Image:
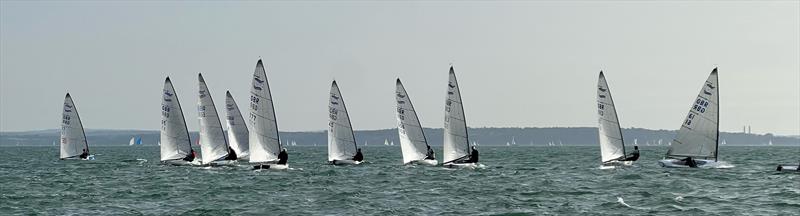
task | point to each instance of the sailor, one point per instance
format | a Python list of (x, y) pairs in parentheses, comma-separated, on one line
[(359, 156), (85, 154), (473, 156), (283, 156), (634, 155), (191, 156), (690, 162), (430, 155), (231, 154)]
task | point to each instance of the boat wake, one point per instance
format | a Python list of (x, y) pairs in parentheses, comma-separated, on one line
[(621, 201)]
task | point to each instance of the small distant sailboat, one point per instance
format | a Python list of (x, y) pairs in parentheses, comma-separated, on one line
[(215, 148), (135, 141), (73, 137), (698, 137), (176, 146), (456, 139), (612, 145), (265, 145), (238, 134), (413, 143), (342, 147), (386, 142)]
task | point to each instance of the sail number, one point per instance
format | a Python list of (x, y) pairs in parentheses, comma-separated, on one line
[(700, 105), (600, 108)]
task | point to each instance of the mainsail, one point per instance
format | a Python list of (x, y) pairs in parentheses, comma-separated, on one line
[(73, 138), (175, 142), (612, 146), (264, 138), (237, 129), (699, 134), (412, 139), (341, 139), (456, 139), (213, 144), (135, 141)]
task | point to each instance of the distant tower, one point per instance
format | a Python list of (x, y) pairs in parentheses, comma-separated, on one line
[(748, 130), (744, 129)]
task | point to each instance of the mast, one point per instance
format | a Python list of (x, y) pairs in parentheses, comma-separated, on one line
[(716, 151)]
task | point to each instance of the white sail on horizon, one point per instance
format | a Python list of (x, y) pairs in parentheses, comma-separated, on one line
[(413, 144), (238, 134), (341, 139), (73, 137), (456, 139), (214, 145), (699, 134), (612, 146), (174, 138), (264, 137)]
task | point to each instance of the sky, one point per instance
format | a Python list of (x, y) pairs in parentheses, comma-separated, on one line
[(519, 63)]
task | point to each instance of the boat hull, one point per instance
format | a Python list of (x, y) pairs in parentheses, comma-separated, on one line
[(271, 166), (675, 163), (222, 163), (180, 162), (788, 168), (345, 162), (461, 165), (426, 162)]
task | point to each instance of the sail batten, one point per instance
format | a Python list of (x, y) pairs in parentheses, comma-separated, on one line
[(73, 137), (214, 144), (413, 143), (174, 138), (264, 137), (456, 137), (341, 138), (698, 136)]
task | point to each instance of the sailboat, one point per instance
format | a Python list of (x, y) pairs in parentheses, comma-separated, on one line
[(73, 137), (135, 141), (612, 145), (176, 146), (413, 144), (342, 147), (698, 137), (214, 146), (265, 145), (238, 135), (456, 139)]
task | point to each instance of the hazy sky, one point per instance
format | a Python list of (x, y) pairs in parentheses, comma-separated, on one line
[(521, 64)]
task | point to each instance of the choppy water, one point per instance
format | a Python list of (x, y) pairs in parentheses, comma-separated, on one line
[(517, 180)]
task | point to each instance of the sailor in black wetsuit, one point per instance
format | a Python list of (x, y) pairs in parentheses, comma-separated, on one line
[(283, 157), (85, 154), (190, 157), (634, 155), (473, 156), (430, 155), (690, 162), (358, 157), (231, 154)]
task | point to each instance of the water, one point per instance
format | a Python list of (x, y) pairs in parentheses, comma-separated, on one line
[(517, 180)]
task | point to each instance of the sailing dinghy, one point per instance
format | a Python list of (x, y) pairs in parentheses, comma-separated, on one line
[(176, 146), (456, 140), (238, 135), (214, 145), (264, 140), (413, 144), (135, 141), (612, 146), (73, 137), (342, 147), (698, 137)]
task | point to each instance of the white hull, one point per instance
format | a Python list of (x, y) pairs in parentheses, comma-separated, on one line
[(618, 163), (676, 163), (270, 166), (222, 163), (461, 165), (345, 162), (90, 157), (788, 168), (424, 162), (180, 162)]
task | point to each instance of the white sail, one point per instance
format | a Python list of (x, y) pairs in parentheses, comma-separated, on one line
[(341, 139), (213, 143), (456, 139), (699, 134), (412, 139), (133, 141), (612, 146), (264, 138), (175, 142), (73, 138), (238, 136)]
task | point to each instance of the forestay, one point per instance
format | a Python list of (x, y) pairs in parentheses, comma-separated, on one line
[(237, 129), (264, 138), (699, 134), (175, 142), (213, 143), (73, 138), (412, 139), (341, 139), (612, 146), (456, 139)]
